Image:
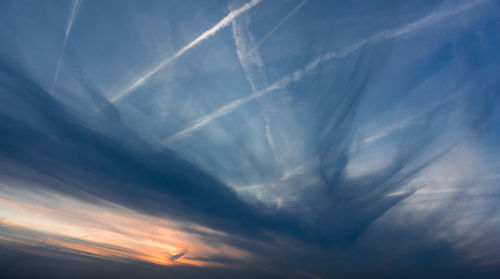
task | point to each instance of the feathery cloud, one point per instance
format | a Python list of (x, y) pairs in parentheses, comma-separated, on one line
[(141, 79), (297, 75)]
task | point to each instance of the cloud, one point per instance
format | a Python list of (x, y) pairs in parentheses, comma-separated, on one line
[(297, 75), (142, 79), (177, 256), (74, 11), (277, 26), (169, 183), (251, 61), (102, 229)]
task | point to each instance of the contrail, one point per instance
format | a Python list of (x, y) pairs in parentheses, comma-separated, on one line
[(298, 74), (246, 48), (292, 12), (269, 136), (200, 122), (69, 25), (230, 107), (271, 32), (251, 63), (207, 34)]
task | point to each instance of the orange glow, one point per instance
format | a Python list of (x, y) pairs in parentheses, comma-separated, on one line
[(107, 230)]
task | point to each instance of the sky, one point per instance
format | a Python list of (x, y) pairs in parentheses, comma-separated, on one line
[(253, 138)]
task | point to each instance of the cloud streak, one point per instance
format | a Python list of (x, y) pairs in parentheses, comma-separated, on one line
[(282, 21), (103, 230), (297, 75), (142, 79), (69, 25), (251, 60)]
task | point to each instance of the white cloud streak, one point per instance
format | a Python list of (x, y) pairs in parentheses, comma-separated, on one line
[(251, 61), (297, 75), (270, 139), (141, 80), (290, 14), (69, 25)]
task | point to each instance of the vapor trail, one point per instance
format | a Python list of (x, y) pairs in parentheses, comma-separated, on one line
[(298, 74), (271, 32), (69, 25), (246, 48), (292, 12), (251, 61), (140, 80)]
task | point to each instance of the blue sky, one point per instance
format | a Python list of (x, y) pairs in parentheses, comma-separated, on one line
[(280, 139)]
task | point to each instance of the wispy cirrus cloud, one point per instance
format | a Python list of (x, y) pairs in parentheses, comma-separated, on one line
[(297, 75), (142, 79), (251, 61)]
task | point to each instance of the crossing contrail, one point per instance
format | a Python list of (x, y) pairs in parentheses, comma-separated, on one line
[(297, 75), (251, 61), (141, 79)]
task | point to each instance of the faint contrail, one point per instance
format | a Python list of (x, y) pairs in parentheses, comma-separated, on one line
[(282, 21), (139, 81), (246, 48), (200, 122), (228, 108), (292, 12), (251, 61), (69, 24), (298, 74)]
